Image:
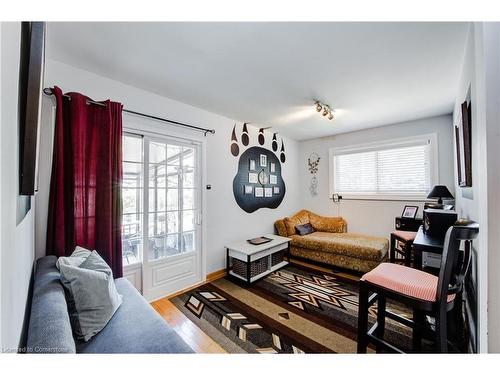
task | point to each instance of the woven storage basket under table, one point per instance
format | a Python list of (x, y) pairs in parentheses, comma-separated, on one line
[(256, 267), (277, 258)]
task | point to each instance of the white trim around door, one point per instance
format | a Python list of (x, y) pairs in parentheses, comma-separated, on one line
[(172, 255)]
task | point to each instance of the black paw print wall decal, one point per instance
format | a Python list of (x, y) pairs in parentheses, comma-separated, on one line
[(258, 182)]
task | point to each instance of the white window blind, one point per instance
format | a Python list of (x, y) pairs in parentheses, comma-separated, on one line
[(384, 170)]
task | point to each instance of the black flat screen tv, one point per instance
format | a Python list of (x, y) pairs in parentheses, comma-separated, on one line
[(31, 70)]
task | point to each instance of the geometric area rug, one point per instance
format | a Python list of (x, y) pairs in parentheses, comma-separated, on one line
[(293, 310)]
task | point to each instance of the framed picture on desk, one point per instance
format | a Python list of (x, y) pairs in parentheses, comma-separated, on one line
[(410, 212)]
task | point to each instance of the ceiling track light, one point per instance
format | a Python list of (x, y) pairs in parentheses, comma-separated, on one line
[(324, 110)]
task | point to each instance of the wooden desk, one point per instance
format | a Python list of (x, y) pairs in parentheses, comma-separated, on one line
[(424, 243)]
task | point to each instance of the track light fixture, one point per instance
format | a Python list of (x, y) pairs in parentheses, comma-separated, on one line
[(327, 111)]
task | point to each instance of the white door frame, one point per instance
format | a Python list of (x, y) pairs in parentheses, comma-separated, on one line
[(155, 129)]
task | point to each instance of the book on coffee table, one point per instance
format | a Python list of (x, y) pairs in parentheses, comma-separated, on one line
[(259, 240)]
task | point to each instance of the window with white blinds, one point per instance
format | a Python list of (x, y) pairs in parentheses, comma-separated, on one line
[(396, 169)]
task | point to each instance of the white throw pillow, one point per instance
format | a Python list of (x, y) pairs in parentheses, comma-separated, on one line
[(75, 259), (93, 298)]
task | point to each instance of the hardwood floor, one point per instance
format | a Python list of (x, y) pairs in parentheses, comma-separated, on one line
[(198, 340)]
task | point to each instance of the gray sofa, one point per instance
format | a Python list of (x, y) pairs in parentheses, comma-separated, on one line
[(135, 327)]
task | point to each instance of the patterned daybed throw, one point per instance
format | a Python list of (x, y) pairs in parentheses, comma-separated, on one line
[(329, 242)]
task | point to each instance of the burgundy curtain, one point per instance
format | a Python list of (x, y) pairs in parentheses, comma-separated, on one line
[(85, 188)]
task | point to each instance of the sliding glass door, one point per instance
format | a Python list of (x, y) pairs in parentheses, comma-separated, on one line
[(165, 234), (132, 200)]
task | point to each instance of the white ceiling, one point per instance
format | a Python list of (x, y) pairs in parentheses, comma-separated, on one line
[(373, 74)]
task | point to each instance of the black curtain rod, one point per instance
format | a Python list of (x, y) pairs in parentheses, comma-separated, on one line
[(48, 91), (383, 200)]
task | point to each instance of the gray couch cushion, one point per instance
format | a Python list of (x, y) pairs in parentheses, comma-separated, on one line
[(94, 298), (49, 326), (135, 328)]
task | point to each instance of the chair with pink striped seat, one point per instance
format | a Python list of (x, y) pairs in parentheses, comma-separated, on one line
[(425, 293), (405, 239)]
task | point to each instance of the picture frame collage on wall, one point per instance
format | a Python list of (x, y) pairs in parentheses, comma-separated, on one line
[(262, 174)]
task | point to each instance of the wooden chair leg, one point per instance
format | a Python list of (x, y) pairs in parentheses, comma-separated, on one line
[(408, 253), (381, 305), (455, 319), (392, 255), (362, 318), (441, 331), (419, 320)]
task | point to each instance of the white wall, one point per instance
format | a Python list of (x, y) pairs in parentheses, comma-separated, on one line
[(481, 72), (225, 221), (371, 217), (491, 53), (1, 206), (472, 202), (17, 233)]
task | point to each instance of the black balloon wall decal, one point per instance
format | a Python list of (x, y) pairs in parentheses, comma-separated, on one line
[(235, 149), (233, 136), (275, 143), (282, 156), (244, 137), (261, 136)]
